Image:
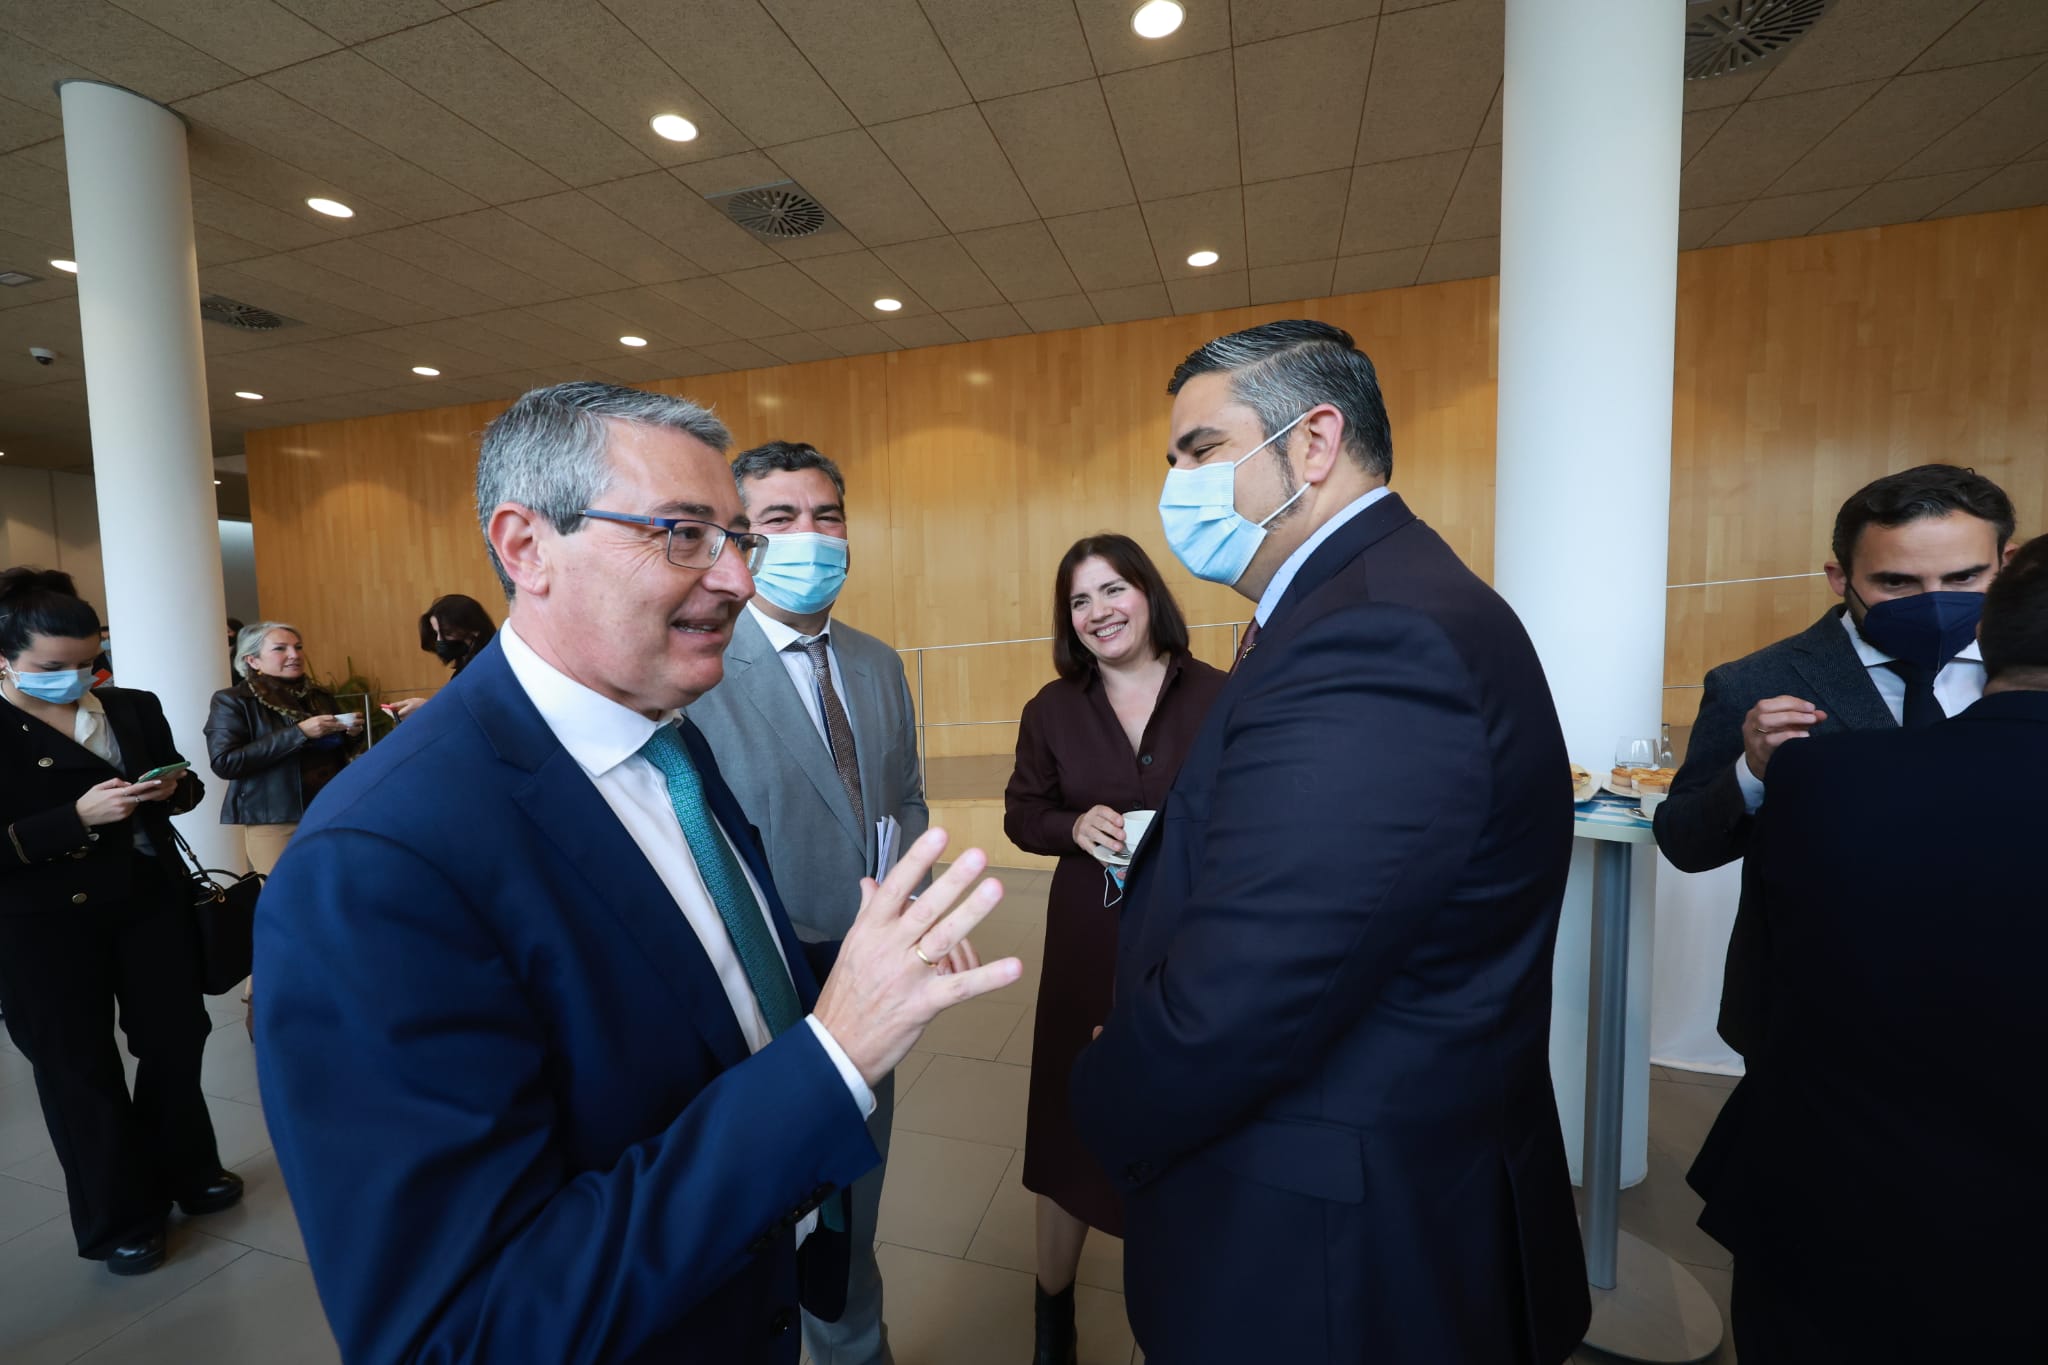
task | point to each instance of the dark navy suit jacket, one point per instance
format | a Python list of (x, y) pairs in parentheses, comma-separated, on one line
[(1325, 1085), (514, 1109)]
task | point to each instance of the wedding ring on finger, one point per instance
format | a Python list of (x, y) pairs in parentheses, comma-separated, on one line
[(918, 948)]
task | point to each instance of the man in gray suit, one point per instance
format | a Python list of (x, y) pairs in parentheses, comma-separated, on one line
[(815, 733)]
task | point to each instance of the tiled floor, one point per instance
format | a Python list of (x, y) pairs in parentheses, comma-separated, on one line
[(956, 1223)]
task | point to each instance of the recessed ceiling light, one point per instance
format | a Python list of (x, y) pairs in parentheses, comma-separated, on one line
[(216, 483), (888, 305), (333, 208), (1202, 258), (252, 397), (68, 267), (632, 341), (1157, 18), (675, 127), (428, 370)]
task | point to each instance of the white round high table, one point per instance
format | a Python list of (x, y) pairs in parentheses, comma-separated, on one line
[(1646, 1306)]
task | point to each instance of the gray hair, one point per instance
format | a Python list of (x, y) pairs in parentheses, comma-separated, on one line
[(547, 451), (1282, 369), (781, 457), (249, 640)]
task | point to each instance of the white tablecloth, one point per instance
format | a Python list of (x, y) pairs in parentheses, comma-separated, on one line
[(1695, 912)]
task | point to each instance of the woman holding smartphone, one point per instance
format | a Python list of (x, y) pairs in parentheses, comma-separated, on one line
[(95, 916)]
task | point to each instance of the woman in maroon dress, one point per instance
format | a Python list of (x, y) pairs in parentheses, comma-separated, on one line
[(1106, 737)]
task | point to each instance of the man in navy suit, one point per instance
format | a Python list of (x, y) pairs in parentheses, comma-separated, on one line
[(1324, 1086), (549, 1074)]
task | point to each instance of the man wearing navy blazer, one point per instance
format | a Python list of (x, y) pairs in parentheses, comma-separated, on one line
[(549, 1075), (1324, 1086)]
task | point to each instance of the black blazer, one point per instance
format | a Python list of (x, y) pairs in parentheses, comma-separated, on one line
[(1703, 824), (1324, 1088), (49, 860), (256, 752), (1888, 1136)]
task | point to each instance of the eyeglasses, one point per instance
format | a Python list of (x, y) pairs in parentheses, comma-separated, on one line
[(693, 544)]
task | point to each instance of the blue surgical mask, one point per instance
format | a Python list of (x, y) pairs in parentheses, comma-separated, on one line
[(1927, 629), (803, 571), (59, 689), (1198, 512)]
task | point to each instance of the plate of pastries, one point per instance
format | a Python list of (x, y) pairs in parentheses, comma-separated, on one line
[(1583, 786), (1655, 782)]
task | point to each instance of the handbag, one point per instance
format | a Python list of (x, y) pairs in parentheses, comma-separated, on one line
[(225, 906)]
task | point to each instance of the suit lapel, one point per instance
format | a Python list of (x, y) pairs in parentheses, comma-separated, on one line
[(128, 735), (760, 677), (1839, 682)]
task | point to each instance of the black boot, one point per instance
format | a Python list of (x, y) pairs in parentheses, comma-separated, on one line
[(1055, 1327)]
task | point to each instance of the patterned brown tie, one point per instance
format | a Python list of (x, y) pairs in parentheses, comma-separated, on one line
[(838, 729), (1245, 643)]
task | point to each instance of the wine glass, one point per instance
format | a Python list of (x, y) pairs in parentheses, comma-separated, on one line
[(1635, 753)]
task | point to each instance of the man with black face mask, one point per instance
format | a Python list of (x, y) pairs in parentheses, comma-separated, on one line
[(1913, 555)]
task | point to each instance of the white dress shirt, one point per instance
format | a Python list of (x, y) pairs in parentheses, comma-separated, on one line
[(1283, 577), (788, 644), (605, 739), (1957, 687)]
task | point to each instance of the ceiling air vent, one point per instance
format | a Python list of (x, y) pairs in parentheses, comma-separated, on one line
[(774, 212), (247, 316), (1727, 37), (14, 279)]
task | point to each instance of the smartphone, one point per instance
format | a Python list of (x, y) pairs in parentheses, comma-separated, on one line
[(168, 770)]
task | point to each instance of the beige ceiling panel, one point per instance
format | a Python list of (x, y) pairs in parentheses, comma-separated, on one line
[(223, 209), (368, 100), (880, 56), (1489, 131), (2002, 131), (830, 240), (651, 313), (2018, 186), (1461, 261), (1011, 47), (1475, 205), (1132, 303), (671, 364), (540, 333), (45, 223), (798, 348), (235, 282), (722, 47), (1062, 145), (113, 44), (929, 330), (1400, 203), (1715, 92), (1433, 79), (940, 269), (741, 171), (1762, 139), (721, 303), (741, 355), (579, 48), (1210, 221), (1899, 120), (859, 338), (355, 21), (1900, 201), (1286, 283), (1106, 249), (994, 320), (214, 247), (458, 67), (1024, 262), (1057, 315), (1254, 21), (458, 352), (860, 187), (1785, 215), (1995, 29), (667, 210), (952, 160), (795, 295), (251, 35), (1175, 125), (595, 320), (22, 126), (1298, 100), (428, 249), (357, 171), (467, 336), (503, 238), (1232, 290), (686, 364), (1698, 127), (1861, 41), (1107, 24), (858, 278), (579, 221), (1696, 227), (258, 177), (303, 276), (221, 339), (29, 74), (1287, 221)]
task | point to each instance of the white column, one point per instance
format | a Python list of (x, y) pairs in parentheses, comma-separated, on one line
[(1588, 294), (138, 304)]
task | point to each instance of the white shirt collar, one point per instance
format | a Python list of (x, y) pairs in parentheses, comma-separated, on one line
[(1283, 578), (598, 732), (781, 636), (1873, 657)]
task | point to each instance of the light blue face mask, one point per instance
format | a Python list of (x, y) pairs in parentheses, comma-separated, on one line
[(59, 689), (1198, 512), (802, 571)]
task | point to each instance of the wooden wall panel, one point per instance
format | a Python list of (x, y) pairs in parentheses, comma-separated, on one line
[(1804, 368)]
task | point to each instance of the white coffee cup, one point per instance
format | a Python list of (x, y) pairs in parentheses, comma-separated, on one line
[(350, 718), (1136, 822)]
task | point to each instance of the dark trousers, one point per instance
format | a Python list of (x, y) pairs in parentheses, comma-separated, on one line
[(63, 974)]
